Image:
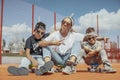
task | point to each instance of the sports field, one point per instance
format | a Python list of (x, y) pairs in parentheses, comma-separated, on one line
[(81, 74)]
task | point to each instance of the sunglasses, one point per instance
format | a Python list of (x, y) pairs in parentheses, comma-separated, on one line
[(39, 32), (67, 23), (91, 38)]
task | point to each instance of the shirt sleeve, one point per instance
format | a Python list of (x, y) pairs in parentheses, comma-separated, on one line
[(100, 45), (50, 37), (28, 43)]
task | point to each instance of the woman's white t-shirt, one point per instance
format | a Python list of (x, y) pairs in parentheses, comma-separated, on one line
[(68, 41)]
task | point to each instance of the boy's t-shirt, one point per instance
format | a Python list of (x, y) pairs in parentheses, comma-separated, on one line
[(31, 43), (94, 47)]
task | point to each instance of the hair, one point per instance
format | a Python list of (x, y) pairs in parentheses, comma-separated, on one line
[(72, 21), (40, 25), (89, 30)]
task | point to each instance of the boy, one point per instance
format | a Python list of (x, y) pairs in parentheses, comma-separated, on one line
[(34, 53), (93, 52)]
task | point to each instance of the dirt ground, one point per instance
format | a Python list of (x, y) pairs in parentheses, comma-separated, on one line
[(81, 74)]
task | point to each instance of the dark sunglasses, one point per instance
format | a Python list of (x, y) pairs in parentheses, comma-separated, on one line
[(91, 38), (39, 32), (67, 23)]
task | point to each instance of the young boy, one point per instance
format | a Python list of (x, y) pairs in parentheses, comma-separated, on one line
[(34, 53), (93, 52)]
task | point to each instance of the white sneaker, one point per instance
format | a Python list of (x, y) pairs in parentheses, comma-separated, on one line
[(109, 69), (69, 70), (74, 69)]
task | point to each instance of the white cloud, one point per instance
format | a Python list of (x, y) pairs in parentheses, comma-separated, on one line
[(107, 20), (17, 30)]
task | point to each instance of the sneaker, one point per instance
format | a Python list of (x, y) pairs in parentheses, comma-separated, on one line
[(52, 71), (18, 71), (59, 68), (44, 69), (70, 63), (109, 69), (74, 69), (69, 70)]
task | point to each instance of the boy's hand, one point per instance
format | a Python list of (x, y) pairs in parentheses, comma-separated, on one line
[(90, 54), (35, 63)]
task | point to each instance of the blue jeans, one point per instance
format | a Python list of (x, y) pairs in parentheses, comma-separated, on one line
[(61, 59), (26, 62)]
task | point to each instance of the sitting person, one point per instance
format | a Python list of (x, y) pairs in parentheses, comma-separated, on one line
[(93, 52), (34, 53), (66, 53)]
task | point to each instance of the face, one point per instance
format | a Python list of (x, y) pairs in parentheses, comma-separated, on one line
[(66, 25), (91, 39), (39, 33)]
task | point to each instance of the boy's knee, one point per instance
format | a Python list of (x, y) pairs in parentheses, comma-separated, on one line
[(102, 51)]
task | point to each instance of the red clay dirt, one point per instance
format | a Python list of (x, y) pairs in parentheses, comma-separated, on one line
[(81, 74)]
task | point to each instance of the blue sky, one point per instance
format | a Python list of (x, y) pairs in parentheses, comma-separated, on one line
[(17, 16), (78, 7)]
